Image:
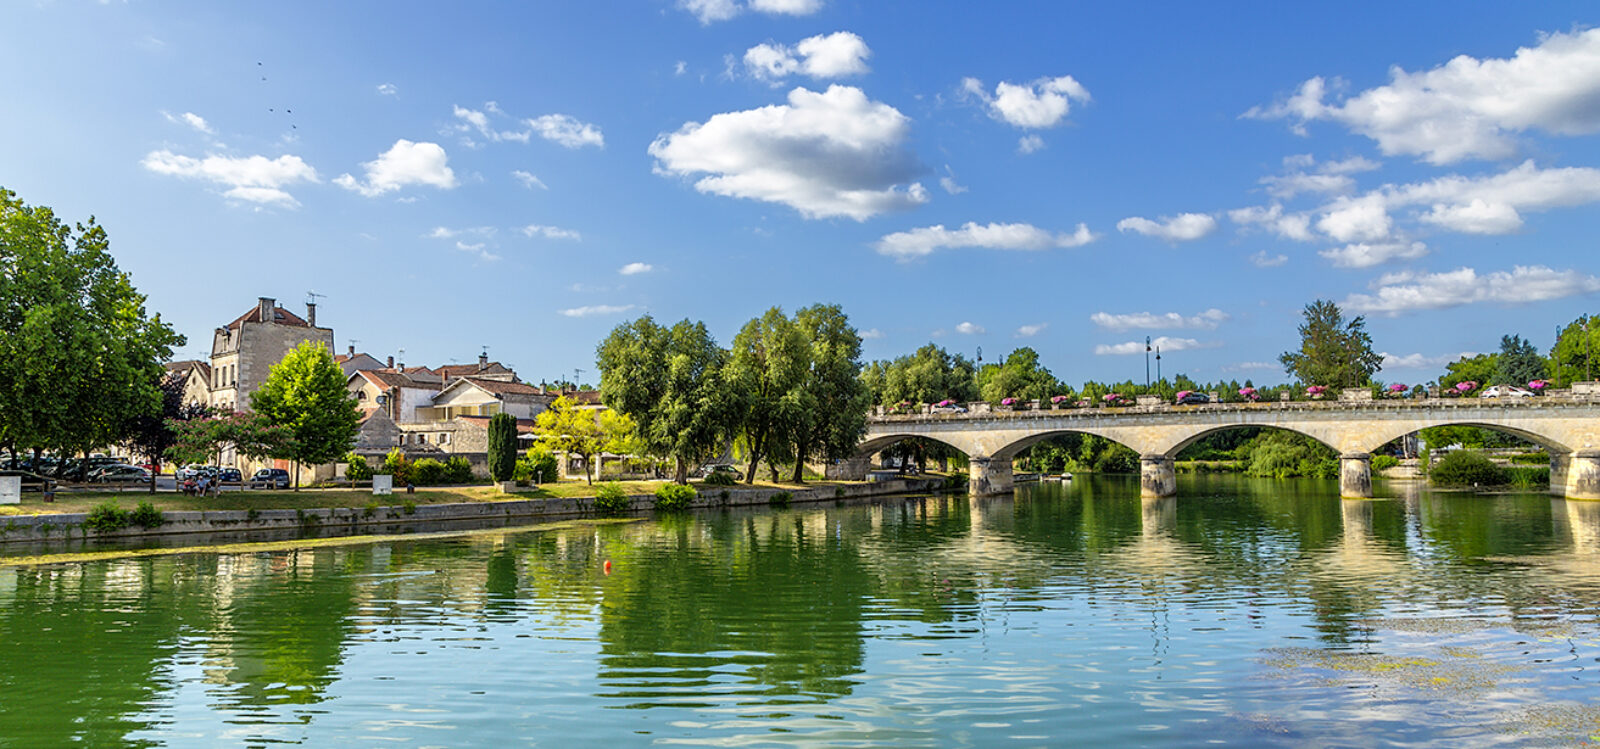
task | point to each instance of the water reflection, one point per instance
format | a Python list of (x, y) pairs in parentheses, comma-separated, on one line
[(1066, 612)]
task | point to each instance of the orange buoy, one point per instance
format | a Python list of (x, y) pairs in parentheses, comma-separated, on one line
[(608, 566)]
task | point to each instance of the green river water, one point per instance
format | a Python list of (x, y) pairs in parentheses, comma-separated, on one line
[(1245, 613)]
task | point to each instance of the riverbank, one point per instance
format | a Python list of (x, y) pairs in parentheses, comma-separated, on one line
[(346, 511)]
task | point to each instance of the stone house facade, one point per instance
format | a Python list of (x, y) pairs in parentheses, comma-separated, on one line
[(244, 351)]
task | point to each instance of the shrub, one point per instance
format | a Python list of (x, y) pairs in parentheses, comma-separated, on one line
[(458, 470), (1468, 468), (1384, 462), (409, 506), (502, 446), (674, 497), (427, 472), (357, 468), (106, 518), (370, 509), (538, 465), (610, 499), (1529, 477), (145, 515), (395, 464), (781, 499), (1533, 459), (721, 478), (957, 480)]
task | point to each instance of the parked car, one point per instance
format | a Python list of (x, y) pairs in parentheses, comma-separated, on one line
[(1505, 391), (1188, 398), (708, 470), (118, 474), (31, 482), (948, 408), (230, 476), (272, 478), (194, 471)]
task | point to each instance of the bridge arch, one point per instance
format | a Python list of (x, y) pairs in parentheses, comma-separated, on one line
[(1207, 431), (1015, 448), (1381, 437)]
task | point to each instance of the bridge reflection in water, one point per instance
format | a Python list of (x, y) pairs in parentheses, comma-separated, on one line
[(1568, 427)]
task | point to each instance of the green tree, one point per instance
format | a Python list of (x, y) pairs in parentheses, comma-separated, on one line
[(670, 381), (1333, 351), (1480, 369), (79, 357), (1572, 358), (151, 434), (769, 363), (306, 394), (829, 415), (503, 446), (1520, 363), (1019, 376), (928, 376)]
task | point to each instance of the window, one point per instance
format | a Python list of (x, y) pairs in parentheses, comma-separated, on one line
[(422, 438), (444, 438), (361, 395)]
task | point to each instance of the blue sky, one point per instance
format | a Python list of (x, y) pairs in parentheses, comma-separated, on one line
[(1068, 177)]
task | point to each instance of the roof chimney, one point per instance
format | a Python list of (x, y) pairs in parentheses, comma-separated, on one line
[(265, 306), (352, 351), (391, 360), (311, 314)]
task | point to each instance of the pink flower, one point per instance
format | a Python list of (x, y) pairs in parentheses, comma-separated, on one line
[(1397, 388), (1111, 397), (1009, 402), (1538, 385), (1466, 387), (1082, 404), (1057, 398), (1316, 390), (1182, 393), (945, 402)]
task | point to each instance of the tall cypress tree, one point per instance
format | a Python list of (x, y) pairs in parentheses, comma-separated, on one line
[(502, 446)]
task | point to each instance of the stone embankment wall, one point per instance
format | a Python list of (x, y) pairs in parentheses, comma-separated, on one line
[(69, 526)]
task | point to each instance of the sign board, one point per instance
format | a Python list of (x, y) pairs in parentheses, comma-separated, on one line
[(382, 484), (10, 490)]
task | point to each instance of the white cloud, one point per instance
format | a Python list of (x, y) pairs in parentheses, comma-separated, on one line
[(1246, 366), (1421, 361), (1029, 144), (834, 153), (598, 309), (1044, 103), (833, 55), (634, 269), (1164, 343), (443, 232), (1286, 186), (1476, 217), (1405, 292), (550, 232), (528, 180), (1207, 320), (1363, 219), (567, 131), (923, 241), (191, 119), (680, 68), (1467, 108), (967, 328), (1296, 226), (478, 249), (1365, 255), (1263, 260), (253, 179), (948, 182), (472, 119), (387, 89), (405, 163), (1180, 228), (711, 11), (1029, 331), (1491, 205), (871, 334)]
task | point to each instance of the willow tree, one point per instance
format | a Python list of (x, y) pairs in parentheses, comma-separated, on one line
[(769, 363)]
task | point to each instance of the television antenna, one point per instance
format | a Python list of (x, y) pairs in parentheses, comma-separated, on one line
[(312, 297)]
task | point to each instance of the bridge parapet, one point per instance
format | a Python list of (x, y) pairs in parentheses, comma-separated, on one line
[(1567, 424)]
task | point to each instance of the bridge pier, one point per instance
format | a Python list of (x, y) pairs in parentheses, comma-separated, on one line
[(849, 469), (1582, 474), (1355, 475), (1157, 477), (989, 476)]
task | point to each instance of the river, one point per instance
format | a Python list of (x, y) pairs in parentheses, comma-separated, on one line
[(1243, 612)]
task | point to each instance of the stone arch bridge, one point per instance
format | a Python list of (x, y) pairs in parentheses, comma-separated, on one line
[(1568, 427)]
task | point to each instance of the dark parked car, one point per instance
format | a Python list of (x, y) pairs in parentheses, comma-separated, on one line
[(274, 478), (31, 482), (1188, 398), (117, 474), (230, 476)]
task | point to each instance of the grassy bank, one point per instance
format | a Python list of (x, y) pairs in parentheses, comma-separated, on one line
[(308, 499)]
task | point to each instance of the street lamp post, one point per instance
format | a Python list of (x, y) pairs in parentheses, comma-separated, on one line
[(1147, 362), (1158, 364)]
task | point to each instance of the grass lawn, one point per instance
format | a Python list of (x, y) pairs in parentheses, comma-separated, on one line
[(307, 499)]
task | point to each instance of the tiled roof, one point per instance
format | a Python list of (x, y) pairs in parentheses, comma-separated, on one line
[(584, 397), (501, 387), (391, 379), (281, 316), (467, 370)]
